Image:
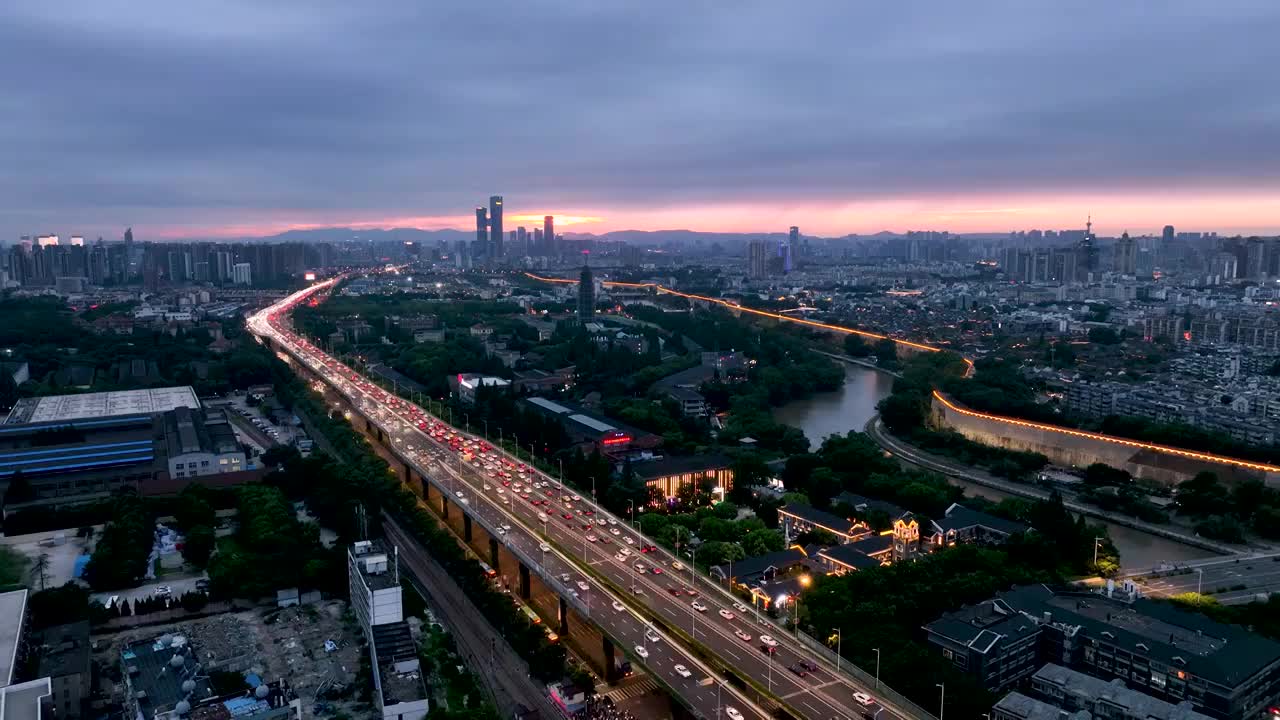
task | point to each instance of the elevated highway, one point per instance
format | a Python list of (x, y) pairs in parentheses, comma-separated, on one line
[(662, 614)]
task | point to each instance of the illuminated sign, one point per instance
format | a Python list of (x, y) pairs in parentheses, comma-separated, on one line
[(309, 277), (616, 439)]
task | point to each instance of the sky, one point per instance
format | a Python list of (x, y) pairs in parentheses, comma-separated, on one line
[(241, 117)]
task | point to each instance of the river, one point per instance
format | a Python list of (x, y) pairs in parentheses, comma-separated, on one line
[(850, 407)]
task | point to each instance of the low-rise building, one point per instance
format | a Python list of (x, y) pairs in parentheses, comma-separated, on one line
[(468, 383), (1073, 692), (590, 431), (962, 525), (64, 658), (670, 474), (1226, 672), (691, 402), (798, 519), (373, 577), (198, 443)]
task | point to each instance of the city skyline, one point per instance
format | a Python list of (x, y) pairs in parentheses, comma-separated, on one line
[(240, 121)]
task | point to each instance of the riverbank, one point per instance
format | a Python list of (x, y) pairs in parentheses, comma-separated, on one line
[(918, 457), (859, 361)]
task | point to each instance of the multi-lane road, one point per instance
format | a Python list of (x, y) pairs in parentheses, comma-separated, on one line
[(592, 555)]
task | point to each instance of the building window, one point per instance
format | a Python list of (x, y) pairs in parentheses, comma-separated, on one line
[(204, 463), (1157, 680)]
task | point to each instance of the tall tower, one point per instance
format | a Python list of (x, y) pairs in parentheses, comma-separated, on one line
[(793, 238), (495, 227), (586, 293), (482, 231), (549, 235)]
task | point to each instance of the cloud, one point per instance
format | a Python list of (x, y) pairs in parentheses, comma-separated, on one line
[(244, 113)]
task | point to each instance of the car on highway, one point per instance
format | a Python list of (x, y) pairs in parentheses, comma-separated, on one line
[(648, 548), (808, 666), (732, 713), (505, 527), (617, 605), (652, 635), (641, 651), (682, 671), (614, 531), (542, 517), (565, 577), (767, 640), (740, 607), (768, 649), (675, 591), (583, 586), (544, 547), (620, 557), (798, 670), (502, 531), (640, 568), (625, 552), (727, 615), (696, 605), (675, 565), (591, 538), (863, 699), (657, 570), (629, 541), (743, 636), (457, 493)]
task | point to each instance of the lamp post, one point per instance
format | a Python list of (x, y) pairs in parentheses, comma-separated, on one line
[(839, 643), (942, 700), (877, 667), (1199, 579), (1096, 542), (486, 427)]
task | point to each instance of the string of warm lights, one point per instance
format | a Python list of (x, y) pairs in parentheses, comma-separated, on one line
[(1191, 454)]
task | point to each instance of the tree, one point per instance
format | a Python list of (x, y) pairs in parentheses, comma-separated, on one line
[(823, 486), (198, 545), (749, 469), (1104, 336), (1203, 495), (856, 346), (40, 571), (886, 352), (194, 508)]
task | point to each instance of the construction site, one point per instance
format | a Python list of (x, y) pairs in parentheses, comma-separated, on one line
[(314, 650)]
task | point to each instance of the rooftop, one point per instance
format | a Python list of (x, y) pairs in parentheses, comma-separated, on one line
[(1020, 706), (821, 518), (157, 678), (65, 650), (1114, 693), (679, 465), (22, 701), (849, 556), (377, 564), (398, 669), (959, 517), (187, 431), (13, 608), (101, 404)]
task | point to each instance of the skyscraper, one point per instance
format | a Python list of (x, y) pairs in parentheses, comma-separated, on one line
[(549, 235), (757, 259), (586, 293), (495, 227), (522, 241), (482, 229), (1168, 234), (784, 254), (1126, 259), (793, 238)]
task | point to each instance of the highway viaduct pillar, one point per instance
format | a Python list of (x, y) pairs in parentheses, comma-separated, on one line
[(408, 474), (610, 663), (493, 555), (524, 581), (466, 527), (444, 506), (564, 617)]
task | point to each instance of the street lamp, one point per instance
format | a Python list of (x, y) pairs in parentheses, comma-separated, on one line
[(1096, 542), (942, 700), (877, 650), (1199, 579)]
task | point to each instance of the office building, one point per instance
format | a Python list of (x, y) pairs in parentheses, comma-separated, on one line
[(586, 295), (373, 577), (242, 273), (549, 236), (197, 443), (522, 241), (793, 239), (1126, 256), (496, 250), (757, 259), (1225, 671), (482, 231)]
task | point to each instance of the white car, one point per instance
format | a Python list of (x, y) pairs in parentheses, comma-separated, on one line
[(583, 586), (863, 698), (577, 499), (629, 541), (544, 547), (698, 606), (640, 568), (620, 557), (651, 635), (615, 531), (624, 552), (565, 577), (767, 640), (505, 527), (740, 607), (682, 671), (617, 605), (743, 636), (732, 713), (591, 537), (640, 650), (487, 487), (611, 521), (458, 493), (502, 531), (726, 615)]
